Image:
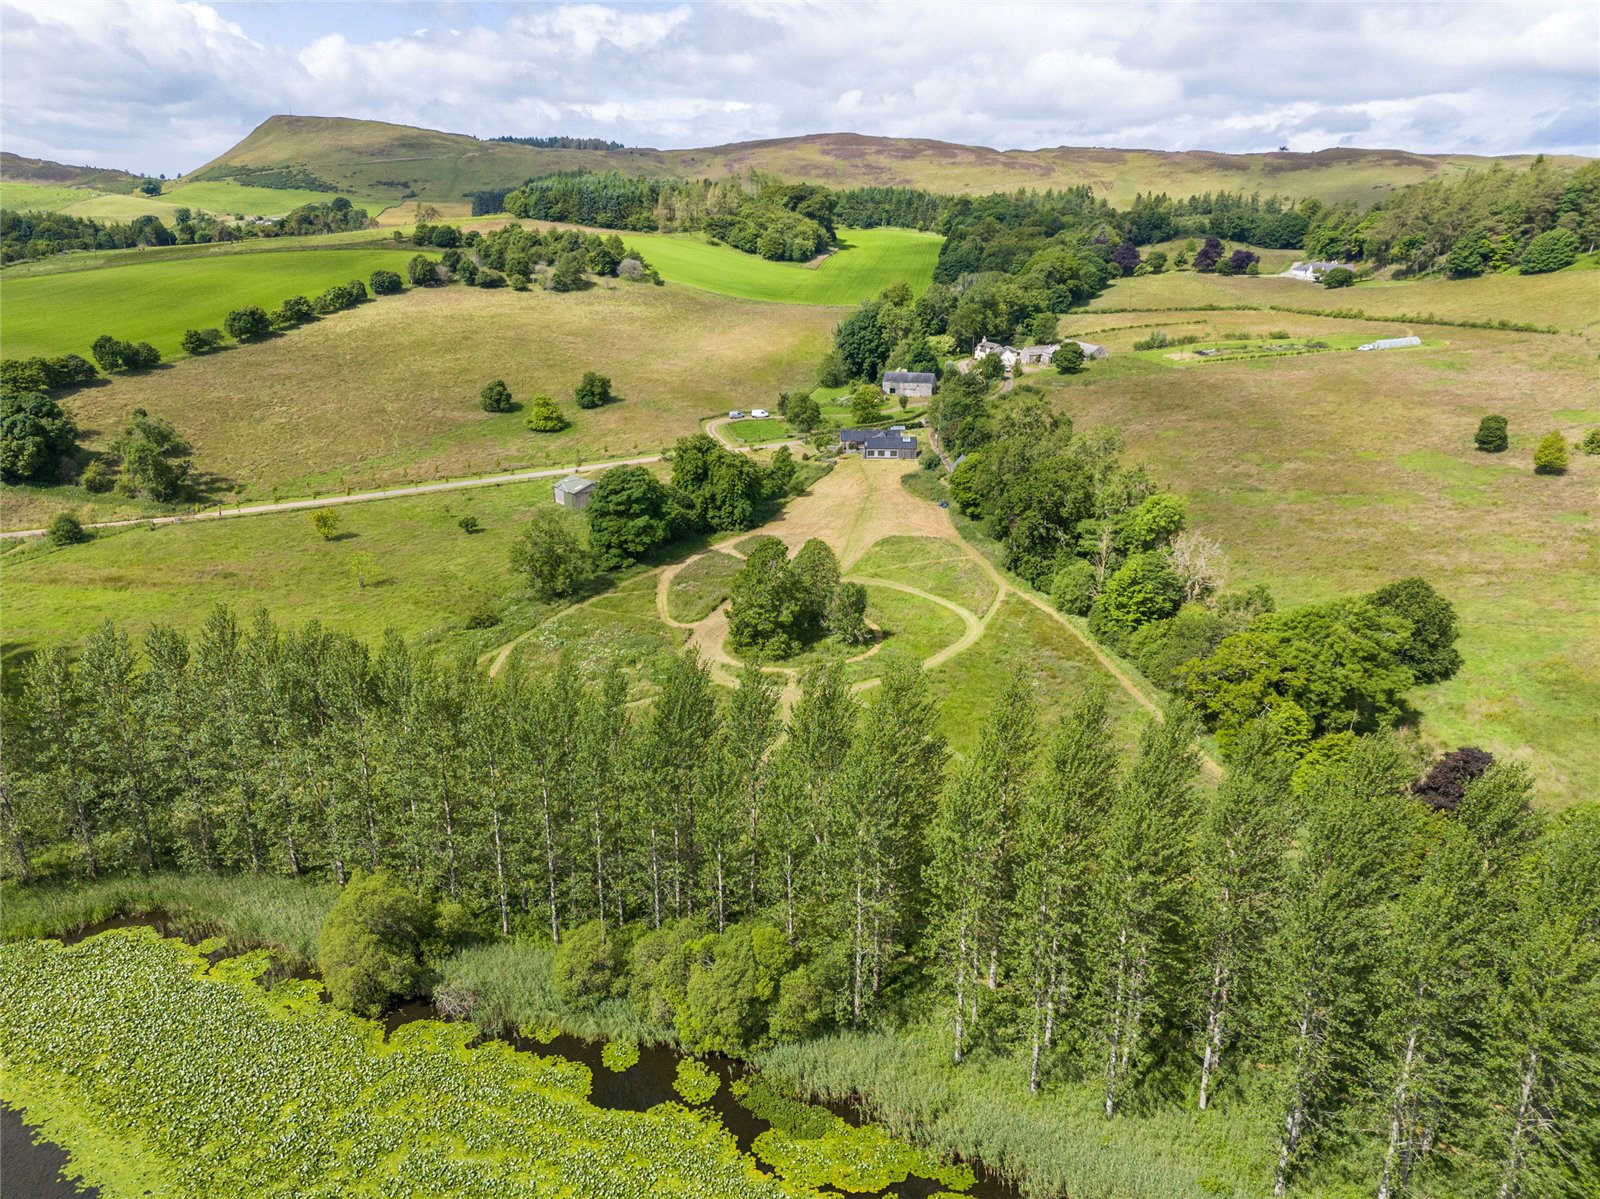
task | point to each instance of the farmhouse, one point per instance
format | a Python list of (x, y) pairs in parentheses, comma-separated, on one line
[(1312, 271), (1009, 355), (1391, 343), (1035, 355), (575, 492), (908, 383), (879, 443)]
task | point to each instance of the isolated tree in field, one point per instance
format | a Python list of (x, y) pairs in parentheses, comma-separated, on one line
[(370, 948), (1339, 276), (1550, 456), (1491, 436), (198, 341), (66, 529), (767, 601), (495, 396), (247, 324), (386, 283), (326, 522), (543, 416), (364, 569), (36, 434), (548, 555), (147, 446), (1068, 359), (593, 390)]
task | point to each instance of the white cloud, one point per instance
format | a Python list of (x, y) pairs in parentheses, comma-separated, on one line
[(163, 85)]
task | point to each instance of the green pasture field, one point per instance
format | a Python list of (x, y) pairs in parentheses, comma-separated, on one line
[(110, 207), (95, 260), (225, 197), (1327, 474), (868, 261), (42, 197), (387, 393), (432, 575), (156, 301), (1568, 300)]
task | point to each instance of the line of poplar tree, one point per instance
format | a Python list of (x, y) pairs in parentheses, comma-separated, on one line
[(1412, 994)]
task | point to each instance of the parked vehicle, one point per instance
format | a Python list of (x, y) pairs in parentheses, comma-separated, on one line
[(735, 415), (758, 413)]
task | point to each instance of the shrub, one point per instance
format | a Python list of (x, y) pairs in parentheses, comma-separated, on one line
[(99, 477), (593, 390), (370, 948), (1591, 442), (1550, 251), (66, 529), (1445, 784), (35, 435), (585, 967), (422, 271), (1073, 589), (1339, 276), (495, 396), (294, 311), (1550, 458), (549, 556), (482, 617), (198, 341), (247, 324), (1491, 437), (929, 460), (386, 283), (543, 416)]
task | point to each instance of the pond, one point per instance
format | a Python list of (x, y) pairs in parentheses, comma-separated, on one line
[(34, 1168)]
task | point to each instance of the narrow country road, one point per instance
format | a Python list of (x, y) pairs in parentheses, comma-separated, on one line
[(362, 497)]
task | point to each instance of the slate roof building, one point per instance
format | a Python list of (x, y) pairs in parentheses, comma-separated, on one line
[(909, 383), (1312, 271), (879, 443)]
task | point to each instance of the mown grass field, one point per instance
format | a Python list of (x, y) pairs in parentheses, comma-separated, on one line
[(1333, 473), (387, 393), (156, 301)]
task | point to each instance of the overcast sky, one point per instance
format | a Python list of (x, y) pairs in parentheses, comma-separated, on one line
[(163, 86)]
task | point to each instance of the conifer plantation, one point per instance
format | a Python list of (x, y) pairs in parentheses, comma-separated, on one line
[(1402, 998)]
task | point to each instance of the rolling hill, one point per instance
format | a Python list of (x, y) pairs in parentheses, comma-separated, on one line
[(14, 168), (377, 159)]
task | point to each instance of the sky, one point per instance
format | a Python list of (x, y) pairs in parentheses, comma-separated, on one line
[(162, 86)]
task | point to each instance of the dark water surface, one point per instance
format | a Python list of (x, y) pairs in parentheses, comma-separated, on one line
[(33, 1171)]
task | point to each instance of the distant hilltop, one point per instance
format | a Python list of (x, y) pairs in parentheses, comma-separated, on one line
[(401, 161)]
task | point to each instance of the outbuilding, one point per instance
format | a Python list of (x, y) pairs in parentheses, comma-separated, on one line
[(1090, 350), (912, 384), (1392, 343), (575, 492)]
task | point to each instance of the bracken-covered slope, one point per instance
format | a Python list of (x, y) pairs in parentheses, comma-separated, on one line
[(14, 168), (375, 158)]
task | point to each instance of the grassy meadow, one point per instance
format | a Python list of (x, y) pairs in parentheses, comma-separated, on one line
[(156, 301), (42, 197), (1332, 473), (387, 394)]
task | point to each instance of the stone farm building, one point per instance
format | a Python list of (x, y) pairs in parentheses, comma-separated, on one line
[(879, 443), (575, 492), (916, 384)]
